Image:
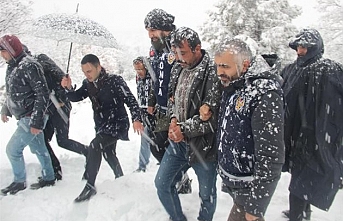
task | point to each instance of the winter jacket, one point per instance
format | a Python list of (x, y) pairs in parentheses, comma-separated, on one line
[(143, 91), (199, 135), (161, 63), (313, 90), (250, 137), (108, 94), (53, 75), (27, 93)]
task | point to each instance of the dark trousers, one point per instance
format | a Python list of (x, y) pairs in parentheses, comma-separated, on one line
[(160, 145), (102, 145), (57, 125), (238, 214), (297, 207)]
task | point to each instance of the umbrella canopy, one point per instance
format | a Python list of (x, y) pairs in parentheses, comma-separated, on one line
[(72, 28)]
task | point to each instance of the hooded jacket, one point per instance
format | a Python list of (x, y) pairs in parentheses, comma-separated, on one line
[(199, 135), (313, 90), (250, 137), (108, 94), (27, 93)]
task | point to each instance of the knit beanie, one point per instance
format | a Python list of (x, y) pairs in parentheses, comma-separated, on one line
[(11, 44), (160, 20)]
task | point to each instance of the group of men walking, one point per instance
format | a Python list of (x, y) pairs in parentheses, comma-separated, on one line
[(233, 114)]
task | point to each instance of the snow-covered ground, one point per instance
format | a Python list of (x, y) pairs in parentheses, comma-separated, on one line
[(130, 198)]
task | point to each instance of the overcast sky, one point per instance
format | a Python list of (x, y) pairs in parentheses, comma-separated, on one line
[(124, 18)]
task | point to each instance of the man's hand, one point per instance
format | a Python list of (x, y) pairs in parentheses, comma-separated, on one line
[(138, 127), (35, 131), (66, 82), (151, 110), (250, 217), (205, 112), (174, 132), (4, 118)]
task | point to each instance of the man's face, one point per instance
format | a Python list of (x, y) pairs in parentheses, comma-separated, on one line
[(227, 69), (155, 35), (90, 71), (140, 70), (5, 55), (301, 51), (184, 55)]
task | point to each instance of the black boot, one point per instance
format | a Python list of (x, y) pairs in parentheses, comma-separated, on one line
[(306, 214), (58, 175), (86, 193), (14, 188), (58, 172), (184, 186), (42, 183)]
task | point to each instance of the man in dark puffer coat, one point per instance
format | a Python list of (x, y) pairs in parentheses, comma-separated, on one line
[(108, 94), (27, 96), (313, 90)]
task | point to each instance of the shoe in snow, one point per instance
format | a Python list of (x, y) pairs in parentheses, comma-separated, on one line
[(42, 183), (139, 170), (306, 214), (86, 193), (58, 174), (14, 188)]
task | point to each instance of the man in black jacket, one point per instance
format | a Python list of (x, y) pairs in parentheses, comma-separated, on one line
[(193, 83), (26, 99), (250, 131), (313, 90), (108, 94), (59, 112)]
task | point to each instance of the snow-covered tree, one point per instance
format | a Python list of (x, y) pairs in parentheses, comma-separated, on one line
[(268, 22), (331, 27), (15, 15)]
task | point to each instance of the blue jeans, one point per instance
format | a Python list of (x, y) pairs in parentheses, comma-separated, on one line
[(144, 152), (15, 146), (173, 165)]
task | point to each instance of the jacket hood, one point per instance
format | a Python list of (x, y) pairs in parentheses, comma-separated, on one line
[(310, 39), (260, 68)]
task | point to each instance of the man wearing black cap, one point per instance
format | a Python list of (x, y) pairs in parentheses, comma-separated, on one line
[(313, 92), (159, 25), (27, 97)]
